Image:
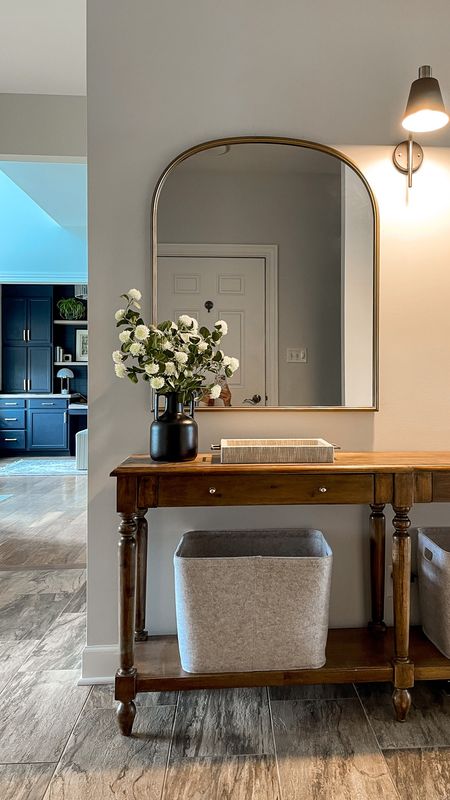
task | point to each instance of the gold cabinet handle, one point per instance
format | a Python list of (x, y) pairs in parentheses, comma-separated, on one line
[(322, 489), (212, 489)]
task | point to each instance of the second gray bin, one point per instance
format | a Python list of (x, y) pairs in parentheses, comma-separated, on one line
[(433, 560), (252, 600)]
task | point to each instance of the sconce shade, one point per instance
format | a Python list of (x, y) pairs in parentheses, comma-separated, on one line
[(425, 110), (64, 373)]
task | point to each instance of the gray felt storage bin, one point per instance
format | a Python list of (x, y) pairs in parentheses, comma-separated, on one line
[(434, 585), (252, 600)]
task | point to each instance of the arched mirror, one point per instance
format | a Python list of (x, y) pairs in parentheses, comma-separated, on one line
[(279, 238)]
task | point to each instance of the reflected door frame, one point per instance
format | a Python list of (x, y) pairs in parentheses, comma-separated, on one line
[(268, 252)]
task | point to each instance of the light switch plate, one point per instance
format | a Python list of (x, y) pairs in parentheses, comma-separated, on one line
[(297, 355)]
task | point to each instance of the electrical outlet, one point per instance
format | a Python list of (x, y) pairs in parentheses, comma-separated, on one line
[(297, 355)]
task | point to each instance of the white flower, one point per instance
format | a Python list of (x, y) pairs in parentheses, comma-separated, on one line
[(151, 369), (170, 368), (180, 357), (226, 361), (117, 356), (202, 346), (124, 336), (119, 314), (157, 383), (120, 370), (173, 326), (188, 373), (215, 391), (166, 345), (188, 322), (141, 332), (137, 349), (222, 326), (135, 294), (185, 337), (234, 364)]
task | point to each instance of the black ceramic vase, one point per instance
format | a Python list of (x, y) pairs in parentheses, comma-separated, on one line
[(173, 434)]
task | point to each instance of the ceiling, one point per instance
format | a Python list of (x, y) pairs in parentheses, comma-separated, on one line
[(43, 47), (59, 189)]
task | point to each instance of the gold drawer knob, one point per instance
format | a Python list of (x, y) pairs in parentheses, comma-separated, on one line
[(212, 489), (322, 489)]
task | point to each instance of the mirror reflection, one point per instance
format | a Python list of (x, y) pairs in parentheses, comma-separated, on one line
[(278, 240)]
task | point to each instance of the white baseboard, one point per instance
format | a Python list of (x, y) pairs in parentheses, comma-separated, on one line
[(99, 664)]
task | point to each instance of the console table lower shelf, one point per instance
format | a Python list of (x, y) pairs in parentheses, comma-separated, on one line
[(354, 655)]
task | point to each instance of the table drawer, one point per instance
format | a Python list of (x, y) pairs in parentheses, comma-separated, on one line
[(52, 402), (11, 402), (12, 440), (10, 419), (228, 490), (441, 487)]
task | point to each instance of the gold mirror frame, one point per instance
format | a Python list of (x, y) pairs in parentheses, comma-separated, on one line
[(282, 140)]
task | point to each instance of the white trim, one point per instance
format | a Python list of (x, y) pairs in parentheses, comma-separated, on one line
[(99, 664), (269, 252)]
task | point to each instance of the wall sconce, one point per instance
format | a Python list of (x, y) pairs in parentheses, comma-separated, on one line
[(425, 111)]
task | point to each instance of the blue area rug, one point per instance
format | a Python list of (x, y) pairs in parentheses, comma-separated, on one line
[(41, 466)]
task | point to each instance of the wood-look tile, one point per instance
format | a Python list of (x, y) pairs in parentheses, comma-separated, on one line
[(100, 764), (224, 722), (325, 691), (61, 647), (15, 552), (77, 603), (428, 722), (102, 696), (30, 616), (235, 778), (39, 711), (420, 774), (327, 751), (14, 584), (12, 655), (24, 781)]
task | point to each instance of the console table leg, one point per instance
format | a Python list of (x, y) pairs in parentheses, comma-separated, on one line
[(377, 566), (401, 573), (140, 634), (126, 674)]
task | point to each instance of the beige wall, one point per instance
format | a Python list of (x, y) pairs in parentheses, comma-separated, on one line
[(42, 125), (151, 96)]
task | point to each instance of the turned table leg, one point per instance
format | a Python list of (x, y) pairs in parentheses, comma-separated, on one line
[(377, 566), (140, 634), (401, 574), (126, 674)]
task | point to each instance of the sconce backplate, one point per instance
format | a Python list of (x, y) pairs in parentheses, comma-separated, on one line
[(400, 156)]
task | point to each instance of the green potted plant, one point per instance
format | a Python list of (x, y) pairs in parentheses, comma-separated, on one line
[(70, 308)]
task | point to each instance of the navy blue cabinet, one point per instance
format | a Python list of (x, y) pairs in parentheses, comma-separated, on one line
[(27, 338), (15, 320), (47, 429), (34, 425), (39, 366), (15, 369), (27, 369)]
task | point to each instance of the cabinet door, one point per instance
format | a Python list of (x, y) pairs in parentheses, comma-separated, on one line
[(46, 430), (15, 369), (39, 369), (15, 321), (39, 320)]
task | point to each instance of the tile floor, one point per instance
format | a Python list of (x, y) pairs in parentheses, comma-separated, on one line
[(59, 741)]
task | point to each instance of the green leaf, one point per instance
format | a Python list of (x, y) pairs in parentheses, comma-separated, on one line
[(133, 378)]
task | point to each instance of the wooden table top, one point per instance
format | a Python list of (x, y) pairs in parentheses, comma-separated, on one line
[(370, 461)]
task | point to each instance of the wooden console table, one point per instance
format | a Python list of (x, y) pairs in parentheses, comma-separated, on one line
[(151, 663)]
